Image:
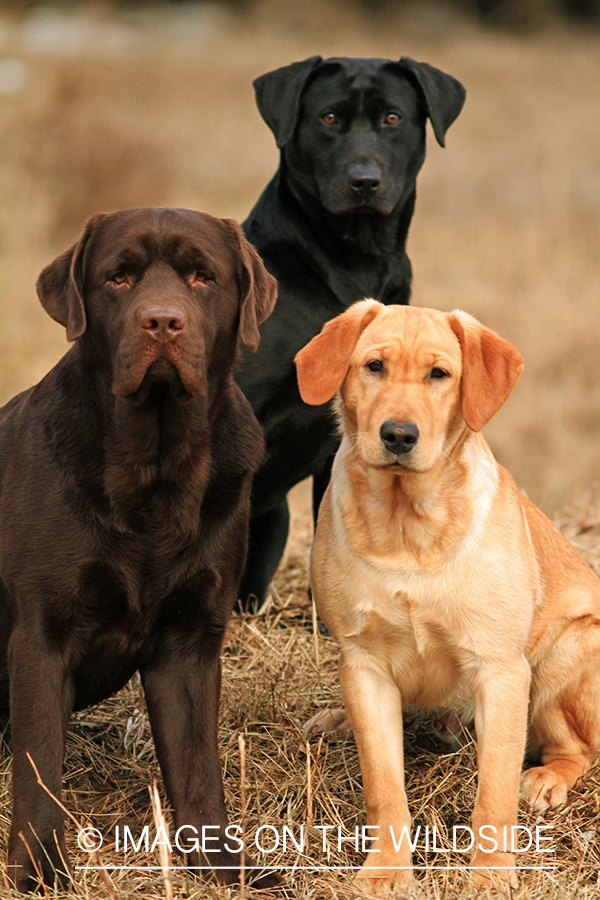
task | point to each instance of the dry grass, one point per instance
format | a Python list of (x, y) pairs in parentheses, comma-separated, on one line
[(153, 107), (272, 683)]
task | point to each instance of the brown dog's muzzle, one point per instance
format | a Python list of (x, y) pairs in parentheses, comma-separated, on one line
[(164, 344), (162, 323), (163, 330)]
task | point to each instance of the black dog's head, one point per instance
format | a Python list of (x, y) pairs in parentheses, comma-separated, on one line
[(159, 295), (352, 131)]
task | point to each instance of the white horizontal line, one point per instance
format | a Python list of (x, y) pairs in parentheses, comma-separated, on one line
[(273, 868)]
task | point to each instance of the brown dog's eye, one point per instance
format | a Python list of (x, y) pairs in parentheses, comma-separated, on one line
[(329, 118), (392, 118), (376, 365), (439, 373), (201, 278), (120, 279)]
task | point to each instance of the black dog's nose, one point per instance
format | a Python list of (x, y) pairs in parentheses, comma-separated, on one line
[(364, 179), (163, 323), (399, 437)]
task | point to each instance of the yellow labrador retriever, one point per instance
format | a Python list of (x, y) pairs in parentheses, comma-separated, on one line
[(442, 583)]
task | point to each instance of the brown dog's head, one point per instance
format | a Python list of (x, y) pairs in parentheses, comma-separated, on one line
[(159, 295), (410, 379)]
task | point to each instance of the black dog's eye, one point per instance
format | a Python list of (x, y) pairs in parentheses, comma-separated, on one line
[(376, 365), (329, 118), (437, 373), (392, 118)]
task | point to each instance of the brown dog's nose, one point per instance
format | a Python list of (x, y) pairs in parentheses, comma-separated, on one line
[(162, 323), (399, 437)]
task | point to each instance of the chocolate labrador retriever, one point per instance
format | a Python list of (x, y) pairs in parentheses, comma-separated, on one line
[(332, 227), (125, 483)]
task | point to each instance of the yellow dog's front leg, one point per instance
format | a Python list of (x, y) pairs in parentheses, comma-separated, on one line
[(374, 707), (501, 693)]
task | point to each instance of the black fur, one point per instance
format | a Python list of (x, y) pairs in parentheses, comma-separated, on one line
[(332, 227)]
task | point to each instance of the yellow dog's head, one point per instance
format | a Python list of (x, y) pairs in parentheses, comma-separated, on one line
[(410, 380)]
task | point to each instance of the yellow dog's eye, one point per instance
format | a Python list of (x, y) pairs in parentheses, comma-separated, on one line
[(439, 373), (376, 365)]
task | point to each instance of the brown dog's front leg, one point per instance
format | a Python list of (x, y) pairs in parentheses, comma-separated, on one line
[(41, 702), (501, 695), (182, 685), (374, 707)]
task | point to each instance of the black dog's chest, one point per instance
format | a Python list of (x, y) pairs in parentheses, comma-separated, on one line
[(309, 433), (311, 438)]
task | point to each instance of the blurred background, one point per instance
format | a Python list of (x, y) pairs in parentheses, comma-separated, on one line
[(106, 105)]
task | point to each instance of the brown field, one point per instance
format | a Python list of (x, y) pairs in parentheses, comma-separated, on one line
[(155, 107)]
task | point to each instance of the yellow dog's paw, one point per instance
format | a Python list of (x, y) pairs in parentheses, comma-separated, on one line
[(328, 721), (373, 882), (543, 788), (494, 869)]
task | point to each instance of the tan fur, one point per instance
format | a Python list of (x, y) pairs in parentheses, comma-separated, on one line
[(443, 585)]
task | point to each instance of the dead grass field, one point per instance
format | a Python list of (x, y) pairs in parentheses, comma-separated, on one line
[(276, 673), (155, 106)]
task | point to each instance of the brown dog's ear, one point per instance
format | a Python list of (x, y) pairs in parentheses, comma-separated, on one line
[(258, 289), (60, 285), (490, 369), (322, 364)]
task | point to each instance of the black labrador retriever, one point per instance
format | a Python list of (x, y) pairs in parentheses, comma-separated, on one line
[(332, 227), (125, 493)]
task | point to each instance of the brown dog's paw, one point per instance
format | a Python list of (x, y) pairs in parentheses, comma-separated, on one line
[(328, 721), (270, 884), (543, 788)]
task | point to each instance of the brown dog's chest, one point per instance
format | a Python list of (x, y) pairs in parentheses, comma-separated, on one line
[(110, 602), (118, 618)]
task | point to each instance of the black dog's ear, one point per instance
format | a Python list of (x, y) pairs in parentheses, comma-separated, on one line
[(258, 289), (444, 96), (60, 285), (278, 96)]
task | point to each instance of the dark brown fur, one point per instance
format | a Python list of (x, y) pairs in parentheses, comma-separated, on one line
[(125, 480)]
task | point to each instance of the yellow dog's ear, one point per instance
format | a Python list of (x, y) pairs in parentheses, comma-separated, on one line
[(322, 364), (490, 369)]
